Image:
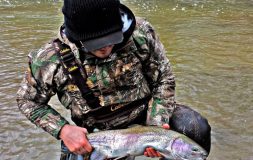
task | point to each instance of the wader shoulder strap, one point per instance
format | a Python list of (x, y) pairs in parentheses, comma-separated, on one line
[(74, 70)]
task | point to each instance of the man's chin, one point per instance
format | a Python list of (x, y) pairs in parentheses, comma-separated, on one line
[(102, 56)]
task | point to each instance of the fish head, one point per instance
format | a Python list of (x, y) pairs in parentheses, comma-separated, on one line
[(183, 148)]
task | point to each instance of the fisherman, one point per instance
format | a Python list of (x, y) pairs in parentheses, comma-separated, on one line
[(110, 70)]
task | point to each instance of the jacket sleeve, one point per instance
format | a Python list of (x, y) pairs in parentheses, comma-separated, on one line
[(35, 91), (158, 72)]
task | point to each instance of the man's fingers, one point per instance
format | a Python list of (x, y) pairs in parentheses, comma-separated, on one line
[(159, 155), (152, 152), (81, 151), (85, 130), (86, 144), (149, 153), (88, 147), (166, 126)]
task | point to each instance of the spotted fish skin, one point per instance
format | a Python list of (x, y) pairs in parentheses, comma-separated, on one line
[(133, 141)]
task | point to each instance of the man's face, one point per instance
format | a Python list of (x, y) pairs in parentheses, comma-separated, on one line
[(103, 52)]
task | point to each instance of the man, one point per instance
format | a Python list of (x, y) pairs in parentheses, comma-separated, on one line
[(110, 69)]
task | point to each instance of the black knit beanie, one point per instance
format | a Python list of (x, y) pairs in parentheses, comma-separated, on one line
[(96, 23)]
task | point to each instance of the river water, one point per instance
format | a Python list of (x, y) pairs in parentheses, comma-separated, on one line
[(209, 43)]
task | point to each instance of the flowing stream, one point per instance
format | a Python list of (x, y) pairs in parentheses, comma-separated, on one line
[(210, 46)]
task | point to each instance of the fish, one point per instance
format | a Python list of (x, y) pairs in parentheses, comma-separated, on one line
[(115, 144)]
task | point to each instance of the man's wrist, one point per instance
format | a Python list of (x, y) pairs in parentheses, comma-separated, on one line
[(60, 131)]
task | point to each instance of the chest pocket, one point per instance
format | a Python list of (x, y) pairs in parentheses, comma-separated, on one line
[(127, 71), (119, 79), (123, 72)]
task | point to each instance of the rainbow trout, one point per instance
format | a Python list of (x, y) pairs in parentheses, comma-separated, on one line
[(133, 141)]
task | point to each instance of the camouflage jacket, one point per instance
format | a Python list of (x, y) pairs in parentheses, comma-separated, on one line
[(128, 74)]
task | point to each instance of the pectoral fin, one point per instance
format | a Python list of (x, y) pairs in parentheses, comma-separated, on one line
[(97, 155)]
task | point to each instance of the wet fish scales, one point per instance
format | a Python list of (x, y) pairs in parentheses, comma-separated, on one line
[(133, 141)]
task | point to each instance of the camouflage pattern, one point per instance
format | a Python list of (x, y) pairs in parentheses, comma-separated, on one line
[(128, 74)]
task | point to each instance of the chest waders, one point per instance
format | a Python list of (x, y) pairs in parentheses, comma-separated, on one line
[(97, 115)]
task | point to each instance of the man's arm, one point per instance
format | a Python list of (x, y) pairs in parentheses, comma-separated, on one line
[(162, 104), (159, 75), (37, 87), (35, 91)]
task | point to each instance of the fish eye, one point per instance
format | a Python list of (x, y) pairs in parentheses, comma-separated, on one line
[(195, 149)]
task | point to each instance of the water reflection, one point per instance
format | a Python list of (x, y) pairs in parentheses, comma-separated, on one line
[(209, 43)]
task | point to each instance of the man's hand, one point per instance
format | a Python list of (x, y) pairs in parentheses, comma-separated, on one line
[(166, 126), (74, 138), (150, 152)]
